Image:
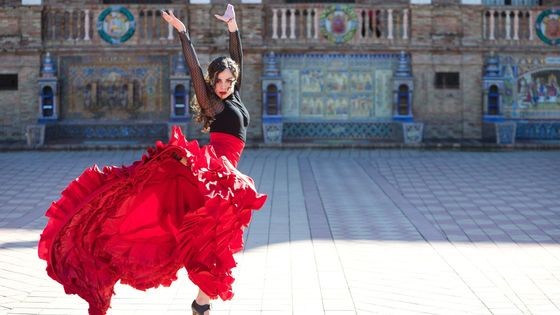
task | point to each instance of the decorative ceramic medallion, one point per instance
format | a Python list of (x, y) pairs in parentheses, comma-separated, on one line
[(116, 25), (548, 26), (339, 23)]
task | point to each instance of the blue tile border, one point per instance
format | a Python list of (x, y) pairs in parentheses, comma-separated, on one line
[(106, 131), (387, 131)]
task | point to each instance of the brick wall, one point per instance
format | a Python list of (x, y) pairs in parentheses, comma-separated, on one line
[(19, 108), (20, 42), (471, 72), (251, 93), (447, 113), (471, 28)]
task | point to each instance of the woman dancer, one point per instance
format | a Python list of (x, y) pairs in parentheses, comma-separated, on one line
[(182, 205)]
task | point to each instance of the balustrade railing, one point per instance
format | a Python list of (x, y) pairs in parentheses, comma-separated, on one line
[(291, 23), (513, 2), (72, 26), (501, 25), (302, 23)]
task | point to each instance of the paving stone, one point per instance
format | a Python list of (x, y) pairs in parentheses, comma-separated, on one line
[(343, 232)]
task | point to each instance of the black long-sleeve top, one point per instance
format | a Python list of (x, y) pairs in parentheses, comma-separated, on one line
[(230, 115)]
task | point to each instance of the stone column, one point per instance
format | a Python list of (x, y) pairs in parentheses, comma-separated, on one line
[(405, 24), (86, 25), (316, 23), (283, 23), (292, 23), (274, 23), (308, 24), (389, 23), (516, 25), (492, 25), (508, 25), (531, 37)]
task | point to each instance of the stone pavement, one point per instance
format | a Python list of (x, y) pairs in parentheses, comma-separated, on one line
[(343, 232)]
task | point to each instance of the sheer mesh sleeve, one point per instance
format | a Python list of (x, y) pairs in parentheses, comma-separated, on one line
[(236, 53), (210, 105)]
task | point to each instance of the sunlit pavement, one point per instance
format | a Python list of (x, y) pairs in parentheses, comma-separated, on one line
[(343, 232)]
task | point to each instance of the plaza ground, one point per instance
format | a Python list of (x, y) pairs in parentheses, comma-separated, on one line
[(344, 231)]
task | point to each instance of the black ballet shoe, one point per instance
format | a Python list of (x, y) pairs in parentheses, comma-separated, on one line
[(199, 309)]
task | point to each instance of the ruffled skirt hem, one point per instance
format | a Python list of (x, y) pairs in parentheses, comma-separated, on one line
[(141, 223)]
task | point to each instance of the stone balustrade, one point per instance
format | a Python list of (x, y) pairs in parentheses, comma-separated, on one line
[(303, 23), (294, 23), (508, 26), (512, 2), (78, 26)]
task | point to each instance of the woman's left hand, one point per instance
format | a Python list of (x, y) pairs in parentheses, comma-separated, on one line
[(228, 15)]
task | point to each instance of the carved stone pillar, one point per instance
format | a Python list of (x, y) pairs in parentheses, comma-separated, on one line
[(316, 18), (516, 25), (389, 23), (308, 24), (283, 24), (405, 24), (292, 23), (531, 29), (492, 37), (86, 25), (508, 25), (274, 23)]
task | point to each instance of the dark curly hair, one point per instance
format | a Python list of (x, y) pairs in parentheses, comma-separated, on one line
[(214, 68)]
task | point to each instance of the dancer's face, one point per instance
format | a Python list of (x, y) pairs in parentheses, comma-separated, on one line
[(225, 82)]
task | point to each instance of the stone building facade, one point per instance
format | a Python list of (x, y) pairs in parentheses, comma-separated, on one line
[(357, 71)]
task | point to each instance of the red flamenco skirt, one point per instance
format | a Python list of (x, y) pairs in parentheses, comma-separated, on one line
[(141, 223)]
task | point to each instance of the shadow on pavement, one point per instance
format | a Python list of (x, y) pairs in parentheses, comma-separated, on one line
[(388, 195)]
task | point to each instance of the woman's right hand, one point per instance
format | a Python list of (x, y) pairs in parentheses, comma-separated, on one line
[(175, 22), (228, 15)]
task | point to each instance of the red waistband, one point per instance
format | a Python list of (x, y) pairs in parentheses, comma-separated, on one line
[(227, 145)]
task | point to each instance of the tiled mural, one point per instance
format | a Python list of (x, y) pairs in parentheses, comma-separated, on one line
[(114, 87), (531, 87), (337, 86)]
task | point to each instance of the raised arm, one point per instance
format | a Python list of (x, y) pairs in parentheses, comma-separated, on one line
[(235, 49), (198, 82), (200, 87), (236, 52)]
